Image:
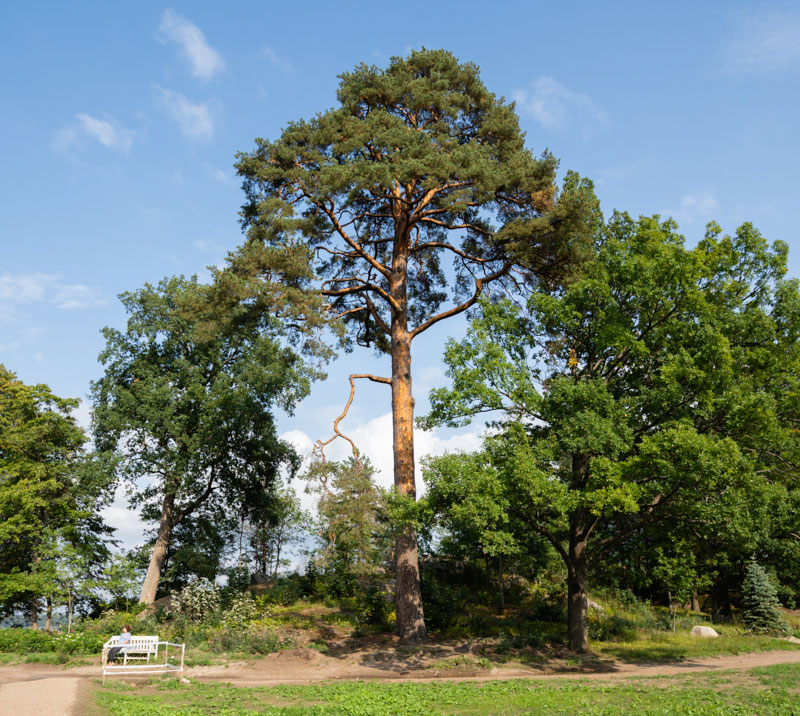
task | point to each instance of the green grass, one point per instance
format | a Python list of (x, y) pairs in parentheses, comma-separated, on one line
[(666, 646), (768, 691), (60, 658)]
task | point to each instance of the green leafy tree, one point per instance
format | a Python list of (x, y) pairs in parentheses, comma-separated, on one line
[(186, 403), (121, 577), (657, 378), (468, 504), (760, 601), (279, 524), (50, 495), (350, 525), (419, 165)]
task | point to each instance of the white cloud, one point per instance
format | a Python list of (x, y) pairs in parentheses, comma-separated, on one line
[(83, 415), (195, 121), (106, 131), (77, 296), (204, 60), (41, 287), (374, 439), (694, 208), (220, 175), (554, 106), (277, 60), (764, 41), (129, 528), (24, 288)]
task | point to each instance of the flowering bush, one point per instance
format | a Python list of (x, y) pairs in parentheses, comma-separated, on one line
[(197, 601)]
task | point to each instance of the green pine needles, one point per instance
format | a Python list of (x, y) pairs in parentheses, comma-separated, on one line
[(760, 602)]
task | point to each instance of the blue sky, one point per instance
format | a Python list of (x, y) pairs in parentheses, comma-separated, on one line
[(121, 122)]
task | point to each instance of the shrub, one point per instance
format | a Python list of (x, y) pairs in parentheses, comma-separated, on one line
[(373, 608), (253, 640), (197, 601), (442, 602), (30, 641), (604, 628), (240, 611)]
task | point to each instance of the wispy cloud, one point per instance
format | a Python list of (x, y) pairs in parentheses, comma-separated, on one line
[(26, 288), (196, 121), (764, 41), (77, 296), (105, 130), (555, 106), (277, 60), (220, 175), (694, 208), (204, 61)]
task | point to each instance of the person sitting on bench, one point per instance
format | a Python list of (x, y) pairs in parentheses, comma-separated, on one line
[(122, 644)]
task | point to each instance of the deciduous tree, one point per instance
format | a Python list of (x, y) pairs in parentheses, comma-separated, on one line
[(661, 385), (186, 402)]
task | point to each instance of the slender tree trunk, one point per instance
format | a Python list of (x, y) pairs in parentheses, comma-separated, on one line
[(695, 601), (577, 596), (278, 546), (69, 611), (150, 586), (48, 614), (35, 613), (500, 580), (410, 623)]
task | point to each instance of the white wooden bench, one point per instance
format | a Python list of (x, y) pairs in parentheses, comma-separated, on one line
[(139, 648), (148, 648)]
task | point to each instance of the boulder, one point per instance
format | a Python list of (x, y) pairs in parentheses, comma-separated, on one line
[(704, 631), (595, 606)]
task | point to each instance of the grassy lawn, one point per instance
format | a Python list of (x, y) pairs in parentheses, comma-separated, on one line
[(665, 646), (769, 691)]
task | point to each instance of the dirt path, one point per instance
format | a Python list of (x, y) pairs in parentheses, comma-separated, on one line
[(44, 697), (43, 690), (307, 668)]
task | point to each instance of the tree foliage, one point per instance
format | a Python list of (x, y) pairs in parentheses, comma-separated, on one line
[(760, 601), (419, 166), (659, 385), (186, 403), (51, 493)]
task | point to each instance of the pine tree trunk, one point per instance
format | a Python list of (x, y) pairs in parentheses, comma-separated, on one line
[(150, 586), (577, 596), (48, 614), (410, 623), (69, 611)]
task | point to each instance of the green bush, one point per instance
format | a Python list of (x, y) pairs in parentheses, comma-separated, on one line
[(610, 627), (373, 608), (253, 640), (30, 641), (442, 602)]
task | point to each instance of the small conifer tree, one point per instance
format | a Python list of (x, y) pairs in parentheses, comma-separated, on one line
[(760, 602)]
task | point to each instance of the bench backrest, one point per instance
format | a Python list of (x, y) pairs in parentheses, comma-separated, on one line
[(137, 643)]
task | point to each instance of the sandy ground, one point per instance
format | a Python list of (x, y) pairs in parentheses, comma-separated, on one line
[(57, 696), (44, 690)]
